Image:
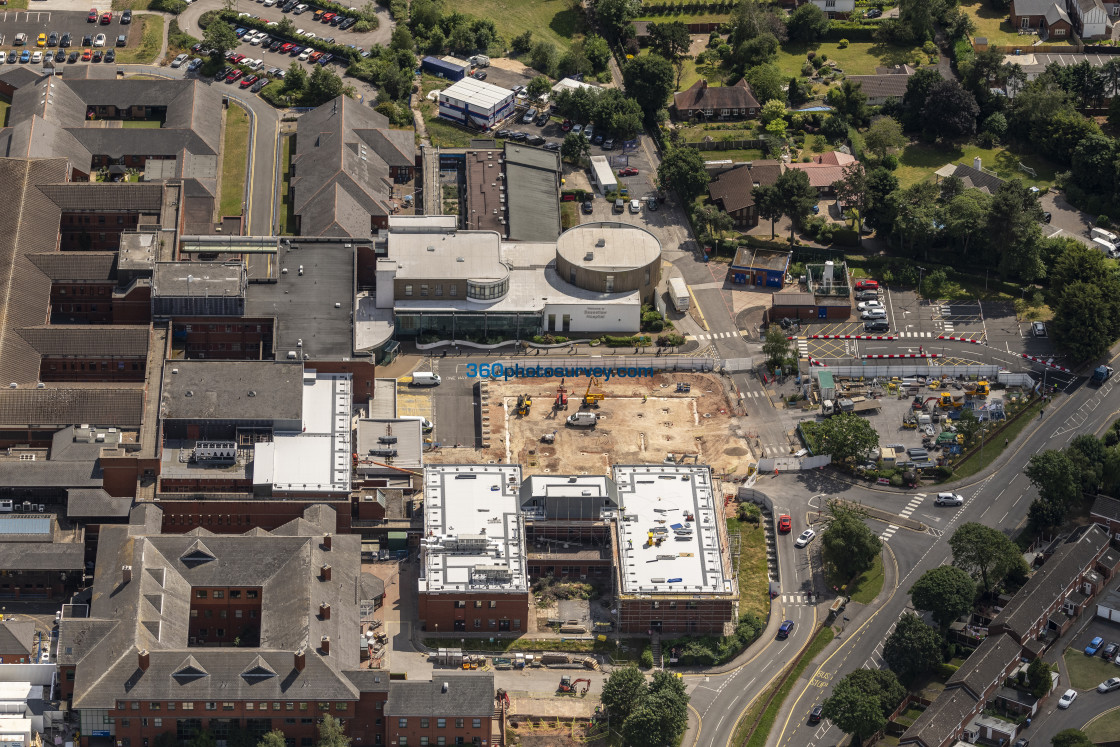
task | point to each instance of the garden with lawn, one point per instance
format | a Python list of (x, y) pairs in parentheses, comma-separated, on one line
[(858, 58), (555, 21), (918, 161), (995, 26)]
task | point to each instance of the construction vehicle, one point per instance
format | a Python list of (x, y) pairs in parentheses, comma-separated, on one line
[(568, 686), (549, 438), (561, 401), (592, 399), (524, 404), (979, 390), (920, 404), (951, 400)]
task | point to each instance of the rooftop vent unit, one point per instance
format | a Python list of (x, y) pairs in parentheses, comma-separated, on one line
[(386, 439), (589, 256), (601, 242), (383, 452)]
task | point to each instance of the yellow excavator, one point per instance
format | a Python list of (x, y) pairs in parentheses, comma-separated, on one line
[(524, 404), (592, 399)]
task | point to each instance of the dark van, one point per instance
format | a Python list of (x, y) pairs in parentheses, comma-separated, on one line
[(877, 325)]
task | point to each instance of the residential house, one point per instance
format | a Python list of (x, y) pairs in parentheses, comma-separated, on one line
[(836, 8), (733, 190), (887, 83), (825, 170), (974, 176), (1090, 19), (1106, 512), (1047, 17), (701, 101)]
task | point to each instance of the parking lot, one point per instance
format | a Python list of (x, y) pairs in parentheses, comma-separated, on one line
[(34, 23), (1085, 671)]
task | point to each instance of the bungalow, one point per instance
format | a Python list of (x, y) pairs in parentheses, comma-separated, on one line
[(825, 170), (974, 176), (716, 102), (1045, 16), (887, 83), (733, 190)]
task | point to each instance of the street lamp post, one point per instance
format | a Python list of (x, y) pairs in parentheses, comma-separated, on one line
[(921, 270)]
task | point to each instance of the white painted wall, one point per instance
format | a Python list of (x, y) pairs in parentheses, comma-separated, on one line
[(593, 317), (836, 6)]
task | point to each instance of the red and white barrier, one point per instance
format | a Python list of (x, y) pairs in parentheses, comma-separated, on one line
[(1042, 362), (904, 355), (852, 337), (815, 362), (960, 339)]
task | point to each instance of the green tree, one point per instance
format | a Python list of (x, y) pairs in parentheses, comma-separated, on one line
[(520, 44), (575, 147), (853, 190), (846, 437), (968, 426), (984, 553), (219, 38), (659, 718), (285, 27), (862, 700), (757, 51), (274, 738), (332, 733), (649, 81), (918, 87), (615, 15), (670, 40), (807, 24), (622, 691), (682, 169), (324, 85), (848, 546), (884, 135), (913, 648), (597, 51), (882, 191), (296, 79), (777, 345), (966, 217), (538, 87), (767, 82), (848, 99), (772, 110), (1055, 476), (402, 39), (950, 111), (1071, 738), (769, 204), (797, 195), (543, 57), (946, 592), (918, 16), (1085, 320), (1038, 678)]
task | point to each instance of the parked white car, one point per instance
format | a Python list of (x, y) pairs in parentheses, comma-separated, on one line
[(305, 54), (178, 61), (99, 40), (1067, 699), (867, 305), (805, 538)]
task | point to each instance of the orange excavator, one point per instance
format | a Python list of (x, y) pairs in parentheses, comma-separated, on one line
[(568, 686)]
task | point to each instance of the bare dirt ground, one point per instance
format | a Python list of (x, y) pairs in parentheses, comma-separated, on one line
[(631, 430)]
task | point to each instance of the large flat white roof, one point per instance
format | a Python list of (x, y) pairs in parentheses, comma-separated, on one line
[(529, 291), (474, 535), (480, 93), (678, 504)]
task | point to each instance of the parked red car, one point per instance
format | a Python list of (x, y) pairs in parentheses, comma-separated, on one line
[(628, 171), (785, 524), (106, 18), (867, 285), (567, 125), (326, 17), (286, 47), (92, 17), (234, 75), (246, 82)]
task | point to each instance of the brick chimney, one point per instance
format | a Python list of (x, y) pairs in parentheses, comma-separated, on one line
[(326, 542), (325, 611), (325, 645), (325, 572), (300, 660), (143, 659), (126, 574)]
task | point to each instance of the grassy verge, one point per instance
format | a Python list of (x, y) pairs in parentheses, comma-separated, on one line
[(5, 110), (553, 21), (569, 215), (754, 727), (443, 134), (131, 4), (151, 39), (141, 124), (754, 586), (235, 155), (287, 206), (1086, 672), (582, 646), (1104, 728), (868, 586), (918, 162), (992, 447), (17, 5)]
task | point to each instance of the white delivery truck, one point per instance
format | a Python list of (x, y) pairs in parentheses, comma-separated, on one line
[(1105, 246), (679, 292), (480, 60), (1100, 233), (425, 378)]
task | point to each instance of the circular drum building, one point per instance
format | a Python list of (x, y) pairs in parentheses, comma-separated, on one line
[(610, 257)]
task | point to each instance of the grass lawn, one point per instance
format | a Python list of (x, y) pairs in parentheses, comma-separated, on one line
[(130, 4), (764, 715), (1086, 672), (151, 39), (754, 584), (996, 26), (549, 20), (287, 212), (141, 124), (1105, 728), (739, 155), (993, 448), (859, 58), (5, 110), (235, 155), (569, 215), (723, 131), (919, 160), (17, 5), (868, 586), (442, 133)]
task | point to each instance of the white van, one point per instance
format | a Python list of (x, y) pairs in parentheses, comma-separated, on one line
[(583, 419), (425, 378), (1105, 246), (1100, 233), (425, 424)]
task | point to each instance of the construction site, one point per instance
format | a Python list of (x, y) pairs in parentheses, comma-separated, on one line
[(586, 425)]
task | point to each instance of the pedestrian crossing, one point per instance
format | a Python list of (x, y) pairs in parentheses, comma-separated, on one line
[(802, 348), (753, 394), (948, 327), (714, 336), (912, 505), (775, 449), (916, 334), (888, 532), (800, 598)]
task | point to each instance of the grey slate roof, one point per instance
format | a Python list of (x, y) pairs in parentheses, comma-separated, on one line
[(341, 167), (79, 341), (17, 637), (220, 390), (42, 556), (50, 474), (100, 266), (984, 666), (1031, 7), (973, 177), (734, 189), (95, 503), (533, 193), (701, 96), (881, 86), (1042, 589), (1056, 13), (467, 695), (1106, 507), (941, 720), (71, 405), (106, 196), (151, 611)]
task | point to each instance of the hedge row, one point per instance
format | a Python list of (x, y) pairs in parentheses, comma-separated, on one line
[(693, 8), (338, 50), (853, 31)]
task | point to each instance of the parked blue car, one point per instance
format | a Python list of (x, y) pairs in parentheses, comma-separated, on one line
[(1094, 646), (26, 56)]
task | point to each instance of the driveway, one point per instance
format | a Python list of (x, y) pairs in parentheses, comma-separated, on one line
[(1066, 220)]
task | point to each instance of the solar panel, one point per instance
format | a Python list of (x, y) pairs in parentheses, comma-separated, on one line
[(25, 525)]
